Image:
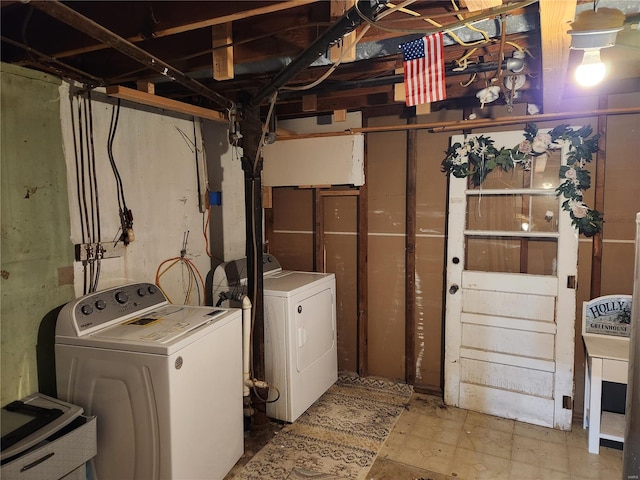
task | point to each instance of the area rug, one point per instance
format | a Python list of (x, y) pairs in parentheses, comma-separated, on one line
[(338, 437)]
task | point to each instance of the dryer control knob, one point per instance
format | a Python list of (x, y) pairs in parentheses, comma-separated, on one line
[(86, 309), (152, 289), (142, 292), (101, 304), (121, 297)]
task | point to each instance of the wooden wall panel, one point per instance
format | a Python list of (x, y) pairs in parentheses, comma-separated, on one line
[(617, 267), (386, 306), (386, 157), (341, 259), (294, 251), (293, 209), (386, 176), (429, 311), (431, 205), (341, 254), (622, 174), (292, 242)]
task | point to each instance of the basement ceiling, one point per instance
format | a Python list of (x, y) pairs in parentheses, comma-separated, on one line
[(174, 46)]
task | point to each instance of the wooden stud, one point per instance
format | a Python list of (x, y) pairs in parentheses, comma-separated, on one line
[(267, 197), (147, 87), (398, 92), (600, 161), (309, 103), (164, 103), (410, 256), (340, 116), (555, 18), (363, 273), (222, 55), (346, 50), (187, 27), (318, 233), (476, 5), (423, 109)]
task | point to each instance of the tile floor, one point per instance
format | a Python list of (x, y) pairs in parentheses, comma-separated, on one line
[(431, 441), (436, 442)]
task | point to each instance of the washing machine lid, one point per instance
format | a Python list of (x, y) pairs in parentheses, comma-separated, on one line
[(161, 326), (288, 282)]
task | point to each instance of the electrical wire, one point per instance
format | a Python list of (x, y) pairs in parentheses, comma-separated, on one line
[(332, 68), (344, 51), (452, 26), (87, 188), (125, 214), (193, 274)]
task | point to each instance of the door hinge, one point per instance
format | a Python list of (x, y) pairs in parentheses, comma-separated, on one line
[(571, 281), (567, 402)]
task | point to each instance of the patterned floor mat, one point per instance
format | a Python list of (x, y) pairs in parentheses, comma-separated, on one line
[(338, 437)]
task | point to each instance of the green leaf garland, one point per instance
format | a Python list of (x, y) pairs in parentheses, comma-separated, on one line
[(478, 156)]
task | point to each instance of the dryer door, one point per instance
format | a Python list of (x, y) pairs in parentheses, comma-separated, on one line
[(314, 327)]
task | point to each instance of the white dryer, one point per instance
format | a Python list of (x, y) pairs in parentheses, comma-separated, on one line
[(301, 354), (163, 380)]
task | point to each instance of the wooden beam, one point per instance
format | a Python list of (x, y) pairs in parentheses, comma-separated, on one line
[(319, 264), (310, 103), (362, 278), (222, 55), (340, 116), (164, 103), (147, 87), (210, 22), (599, 174), (69, 16), (456, 125), (555, 19), (346, 50), (410, 257), (475, 5)]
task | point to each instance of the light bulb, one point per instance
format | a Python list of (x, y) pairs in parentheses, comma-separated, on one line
[(591, 71)]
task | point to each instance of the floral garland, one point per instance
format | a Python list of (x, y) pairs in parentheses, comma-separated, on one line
[(477, 157)]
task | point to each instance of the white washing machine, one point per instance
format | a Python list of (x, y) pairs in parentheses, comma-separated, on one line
[(165, 382), (301, 355)]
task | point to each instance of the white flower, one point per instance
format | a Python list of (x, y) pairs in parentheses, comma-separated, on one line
[(541, 142), (579, 209), (571, 174), (461, 152)]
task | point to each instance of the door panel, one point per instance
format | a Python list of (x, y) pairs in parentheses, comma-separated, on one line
[(510, 312)]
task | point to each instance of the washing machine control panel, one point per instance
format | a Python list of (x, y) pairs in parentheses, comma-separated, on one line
[(102, 307)]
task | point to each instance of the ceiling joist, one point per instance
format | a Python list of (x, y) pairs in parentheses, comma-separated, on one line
[(74, 19)]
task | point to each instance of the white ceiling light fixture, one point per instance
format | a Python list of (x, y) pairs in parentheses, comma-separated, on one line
[(591, 32)]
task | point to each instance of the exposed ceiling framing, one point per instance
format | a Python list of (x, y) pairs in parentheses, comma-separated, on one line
[(171, 44)]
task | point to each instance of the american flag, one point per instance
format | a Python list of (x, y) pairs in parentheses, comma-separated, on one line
[(424, 70)]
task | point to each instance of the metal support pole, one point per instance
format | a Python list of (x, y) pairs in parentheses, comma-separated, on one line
[(251, 128)]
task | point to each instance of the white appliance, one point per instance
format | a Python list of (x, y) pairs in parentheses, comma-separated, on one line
[(301, 356), (165, 382)]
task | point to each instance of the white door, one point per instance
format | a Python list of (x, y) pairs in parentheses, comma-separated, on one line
[(510, 300)]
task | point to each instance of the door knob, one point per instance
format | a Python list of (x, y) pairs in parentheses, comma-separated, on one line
[(453, 289)]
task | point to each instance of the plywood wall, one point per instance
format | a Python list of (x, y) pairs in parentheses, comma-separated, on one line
[(386, 183), (386, 161)]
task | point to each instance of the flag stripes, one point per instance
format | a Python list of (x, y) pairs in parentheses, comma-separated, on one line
[(424, 70)]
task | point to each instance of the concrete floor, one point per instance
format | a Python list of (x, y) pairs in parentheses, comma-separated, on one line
[(434, 442)]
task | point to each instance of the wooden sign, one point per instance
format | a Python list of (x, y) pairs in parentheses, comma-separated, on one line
[(608, 315)]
